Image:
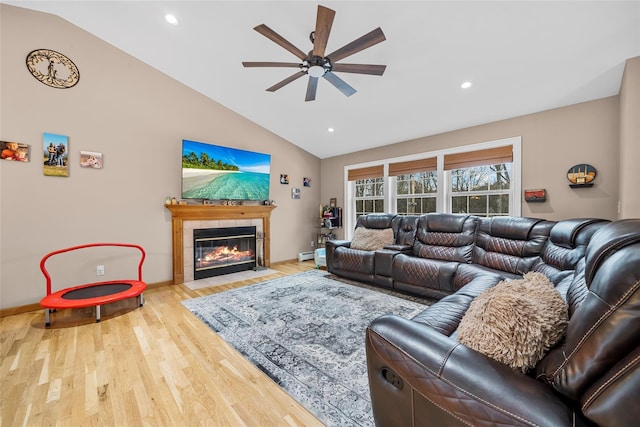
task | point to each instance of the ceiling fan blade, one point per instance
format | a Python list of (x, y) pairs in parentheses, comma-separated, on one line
[(278, 39), (376, 70), (272, 64), (372, 38), (339, 83), (324, 21), (312, 87), (286, 81)]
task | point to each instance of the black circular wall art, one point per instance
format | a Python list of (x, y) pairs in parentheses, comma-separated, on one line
[(53, 68)]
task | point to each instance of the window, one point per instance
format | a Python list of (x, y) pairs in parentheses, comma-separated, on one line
[(369, 196), (416, 193), (481, 190), (481, 179)]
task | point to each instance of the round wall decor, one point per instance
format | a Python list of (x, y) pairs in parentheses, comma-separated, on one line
[(581, 175), (53, 68)]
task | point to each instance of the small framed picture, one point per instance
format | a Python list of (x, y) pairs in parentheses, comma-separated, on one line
[(90, 159), (306, 182), (14, 151), (332, 202), (295, 193), (284, 178)]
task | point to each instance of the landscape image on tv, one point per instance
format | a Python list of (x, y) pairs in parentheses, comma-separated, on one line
[(218, 173)]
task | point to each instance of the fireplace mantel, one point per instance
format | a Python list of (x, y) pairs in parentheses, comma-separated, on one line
[(181, 213)]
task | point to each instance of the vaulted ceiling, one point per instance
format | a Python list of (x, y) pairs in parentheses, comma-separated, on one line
[(520, 57)]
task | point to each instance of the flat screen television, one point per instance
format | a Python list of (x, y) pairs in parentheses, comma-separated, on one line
[(223, 173)]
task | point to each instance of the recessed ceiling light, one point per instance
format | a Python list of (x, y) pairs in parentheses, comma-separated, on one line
[(171, 19), (465, 85), (330, 129)]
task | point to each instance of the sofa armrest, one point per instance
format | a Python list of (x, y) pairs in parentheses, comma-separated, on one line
[(405, 249), (330, 248), (418, 376)]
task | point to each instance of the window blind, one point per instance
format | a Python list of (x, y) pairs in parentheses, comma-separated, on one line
[(490, 156), (413, 166), (364, 173)]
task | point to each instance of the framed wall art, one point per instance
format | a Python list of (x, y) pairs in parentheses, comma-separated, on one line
[(16, 151), (56, 154), (90, 159)]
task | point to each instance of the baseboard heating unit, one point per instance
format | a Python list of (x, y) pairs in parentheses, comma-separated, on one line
[(304, 256)]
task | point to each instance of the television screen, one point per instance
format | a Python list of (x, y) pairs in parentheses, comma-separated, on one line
[(223, 173)]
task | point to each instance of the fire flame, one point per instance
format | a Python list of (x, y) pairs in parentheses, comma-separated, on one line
[(224, 254)]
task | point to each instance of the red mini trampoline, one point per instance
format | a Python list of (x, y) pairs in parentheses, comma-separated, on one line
[(92, 294)]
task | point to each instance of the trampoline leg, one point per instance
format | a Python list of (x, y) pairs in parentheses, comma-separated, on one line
[(47, 320), (97, 313), (140, 300)]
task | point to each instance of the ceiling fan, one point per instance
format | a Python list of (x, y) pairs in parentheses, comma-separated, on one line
[(315, 64)]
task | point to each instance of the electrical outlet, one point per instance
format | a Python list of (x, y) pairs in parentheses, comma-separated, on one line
[(100, 270)]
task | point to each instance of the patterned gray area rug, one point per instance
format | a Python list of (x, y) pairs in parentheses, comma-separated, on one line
[(307, 332)]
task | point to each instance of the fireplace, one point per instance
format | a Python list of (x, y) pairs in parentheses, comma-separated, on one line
[(186, 218), (218, 251)]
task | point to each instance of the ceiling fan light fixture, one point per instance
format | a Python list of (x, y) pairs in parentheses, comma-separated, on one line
[(316, 71)]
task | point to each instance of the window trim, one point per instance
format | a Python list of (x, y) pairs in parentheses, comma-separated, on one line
[(442, 197)]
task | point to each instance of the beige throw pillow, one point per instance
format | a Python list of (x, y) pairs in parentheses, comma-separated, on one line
[(516, 322), (371, 239)]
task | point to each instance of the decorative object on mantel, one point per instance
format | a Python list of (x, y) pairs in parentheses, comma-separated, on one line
[(581, 176), (535, 196), (52, 68)]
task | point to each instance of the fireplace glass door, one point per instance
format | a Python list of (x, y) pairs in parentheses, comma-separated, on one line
[(220, 251)]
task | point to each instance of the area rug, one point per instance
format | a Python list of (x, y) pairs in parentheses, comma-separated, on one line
[(307, 332)]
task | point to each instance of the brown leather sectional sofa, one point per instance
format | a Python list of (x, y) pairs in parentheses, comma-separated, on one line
[(419, 374)]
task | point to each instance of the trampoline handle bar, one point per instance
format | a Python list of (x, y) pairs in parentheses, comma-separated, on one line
[(89, 245)]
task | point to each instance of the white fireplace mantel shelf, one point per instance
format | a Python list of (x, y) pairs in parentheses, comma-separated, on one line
[(181, 213)]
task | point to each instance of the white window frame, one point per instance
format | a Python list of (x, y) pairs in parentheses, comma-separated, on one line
[(443, 198), (393, 183)]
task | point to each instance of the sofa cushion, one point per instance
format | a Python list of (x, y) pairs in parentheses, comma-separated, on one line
[(510, 244), (515, 322), (447, 237), (371, 239)]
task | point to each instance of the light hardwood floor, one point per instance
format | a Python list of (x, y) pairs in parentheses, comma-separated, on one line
[(157, 365)]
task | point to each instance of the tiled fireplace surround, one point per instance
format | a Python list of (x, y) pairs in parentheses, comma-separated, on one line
[(186, 218)]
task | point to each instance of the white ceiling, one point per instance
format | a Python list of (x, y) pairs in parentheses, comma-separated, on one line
[(522, 57)]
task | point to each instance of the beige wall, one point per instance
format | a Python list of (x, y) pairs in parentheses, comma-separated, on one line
[(137, 117), (630, 140), (552, 142)]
